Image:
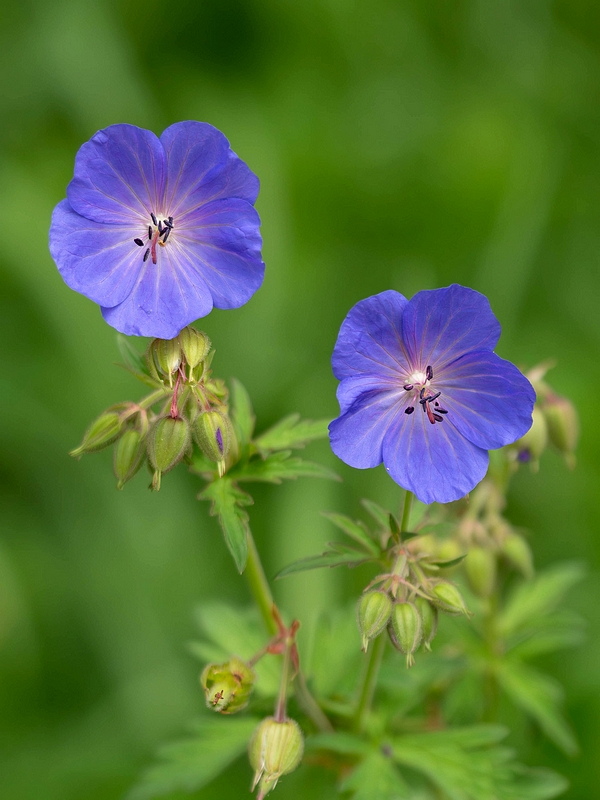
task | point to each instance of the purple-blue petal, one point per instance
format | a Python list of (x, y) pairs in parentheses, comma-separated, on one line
[(488, 399), (119, 176), (358, 435), (201, 168), (350, 389), (435, 462), (167, 296), (223, 240), (370, 339), (99, 261), (441, 325)]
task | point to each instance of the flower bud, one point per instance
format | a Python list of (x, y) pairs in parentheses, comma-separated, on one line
[(532, 445), (480, 566), (563, 426), (517, 551), (227, 686), (195, 346), (101, 433), (166, 356), (128, 457), (429, 618), (213, 432), (406, 630), (167, 444), (275, 749), (373, 614), (446, 597)]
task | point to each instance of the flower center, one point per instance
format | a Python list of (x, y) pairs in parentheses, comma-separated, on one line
[(420, 385), (158, 233)]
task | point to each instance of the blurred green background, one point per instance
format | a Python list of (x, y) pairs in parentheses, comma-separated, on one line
[(402, 145)]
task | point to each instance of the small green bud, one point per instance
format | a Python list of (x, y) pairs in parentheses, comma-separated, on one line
[(128, 457), (517, 551), (168, 442), (429, 618), (195, 346), (275, 749), (166, 356), (532, 445), (480, 566), (563, 426), (447, 598), (213, 432), (373, 614), (101, 433), (406, 630), (227, 686)]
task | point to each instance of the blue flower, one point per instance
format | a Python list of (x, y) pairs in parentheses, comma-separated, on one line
[(422, 390), (158, 231)]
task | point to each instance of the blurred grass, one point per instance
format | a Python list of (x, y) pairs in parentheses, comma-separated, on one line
[(400, 145)]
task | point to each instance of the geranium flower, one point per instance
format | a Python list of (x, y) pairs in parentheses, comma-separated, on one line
[(158, 231), (422, 391)]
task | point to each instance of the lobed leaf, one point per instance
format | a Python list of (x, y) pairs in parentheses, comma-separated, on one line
[(355, 530), (278, 467), (228, 502), (327, 559), (376, 777), (292, 432), (380, 515), (242, 414)]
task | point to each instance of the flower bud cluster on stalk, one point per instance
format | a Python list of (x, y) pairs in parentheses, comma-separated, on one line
[(187, 406)]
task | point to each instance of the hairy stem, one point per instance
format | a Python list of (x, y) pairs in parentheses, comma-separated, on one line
[(369, 683)]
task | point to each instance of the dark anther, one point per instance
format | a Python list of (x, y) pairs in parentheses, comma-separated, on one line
[(149, 232), (160, 229), (171, 221), (139, 242), (409, 410), (441, 410), (437, 418), (146, 254), (166, 233), (429, 373), (167, 224), (153, 218), (422, 392), (407, 387), (436, 403)]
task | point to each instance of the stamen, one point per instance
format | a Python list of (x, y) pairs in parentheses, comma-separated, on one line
[(437, 418), (409, 410), (429, 373), (167, 223), (407, 387), (171, 222), (146, 254), (139, 242), (153, 218), (422, 392), (149, 232), (441, 411), (160, 229), (166, 234)]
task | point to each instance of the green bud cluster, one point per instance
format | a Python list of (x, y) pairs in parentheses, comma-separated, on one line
[(227, 686), (373, 613), (275, 749), (165, 357), (406, 629)]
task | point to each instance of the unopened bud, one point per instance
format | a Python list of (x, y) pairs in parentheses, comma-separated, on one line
[(214, 434), (195, 346), (168, 442), (532, 445), (102, 432), (447, 598), (129, 454), (406, 630), (373, 614), (563, 426), (166, 356), (480, 566), (517, 551), (429, 618), (275, 749), (227, 686)]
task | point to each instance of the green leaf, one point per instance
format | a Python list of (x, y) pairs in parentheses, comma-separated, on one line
[(446, 564), (228, 502), (376, 777), (393, 525), (134, 360), (190, 764), (540, 697), (242, 414), (555, 632), (328, 559), (537, 598), (342, 743), (292, 432), (380, 515), (278, 467), (355, 530)]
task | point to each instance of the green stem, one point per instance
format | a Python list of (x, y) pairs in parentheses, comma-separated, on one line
[(491, 690), (369, 683), (153, 398), (280, 715), (408, 498), (261, 591)]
